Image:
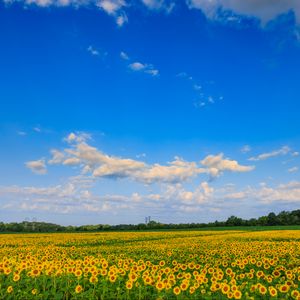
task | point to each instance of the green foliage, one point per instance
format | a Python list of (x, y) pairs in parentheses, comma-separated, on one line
[(284, 218)]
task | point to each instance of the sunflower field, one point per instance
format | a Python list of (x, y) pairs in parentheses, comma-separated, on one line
[(151, 265)]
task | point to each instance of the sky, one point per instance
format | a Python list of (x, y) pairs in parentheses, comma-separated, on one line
[(115, 110)]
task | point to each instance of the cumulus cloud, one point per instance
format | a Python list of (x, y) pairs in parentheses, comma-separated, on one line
[(137, 66), (217, 164), (103, 165), (264, 10), (289, 192), (57, 157), (285, 193), (201, 194), (93, 161), (177, 171), (146, 68), (111, 6), (282, 151), (72, 161), (78, 137), (118, 167), (114, 8), (37, 166), (70, 197)]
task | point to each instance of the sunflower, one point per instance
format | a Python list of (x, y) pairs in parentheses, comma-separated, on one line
[(225, 288), (262, 289), (176, 290), (34, 291), (129, 285), (16, 277), (237, 294), (284, 288), (78, 273), (78, 289), (93, 279), (112, 278), (272, 291), (160, 285)]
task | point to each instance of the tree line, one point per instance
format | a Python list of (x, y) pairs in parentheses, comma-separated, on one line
[(283, 218)]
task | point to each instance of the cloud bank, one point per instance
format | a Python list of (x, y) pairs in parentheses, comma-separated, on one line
[(263, 10), (99, 164)]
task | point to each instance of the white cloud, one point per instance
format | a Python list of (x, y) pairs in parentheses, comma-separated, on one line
[(93, 51), (206, 188), (159, 5), (22, 133), (99, 164), (118, 167), (230, 10), (121, 19), (264, 10), (184, 75), (57, 157), (293, 169), (114, 8), (137, 66), (246, 149), (282, 151), (78, 137), (152, 72), (37, 129), (236, 195), (103, 165), (124, 55), (289, 192), (146, 68), (177, 171), (153, 4), (74, 196), (176, 195), (216, 164), (285, 193), (37, 166), (111, 6), (72, 161)]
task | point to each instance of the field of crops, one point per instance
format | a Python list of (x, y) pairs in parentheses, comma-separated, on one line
[(151, 265)]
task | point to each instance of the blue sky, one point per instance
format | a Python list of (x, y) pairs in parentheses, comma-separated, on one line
[(114, 110)]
